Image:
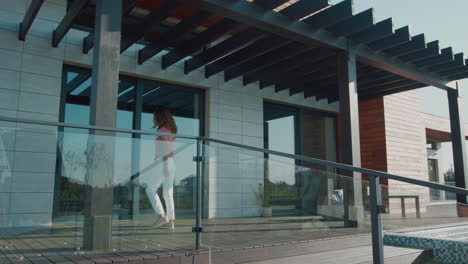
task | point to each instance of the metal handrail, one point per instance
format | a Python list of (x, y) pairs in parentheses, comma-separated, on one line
[(337, 165)]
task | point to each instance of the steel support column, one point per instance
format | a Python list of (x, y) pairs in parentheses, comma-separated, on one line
[(350, 142), (458, 147), (101, 144)]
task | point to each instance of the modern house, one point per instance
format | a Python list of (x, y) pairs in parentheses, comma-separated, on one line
[(298, 77)]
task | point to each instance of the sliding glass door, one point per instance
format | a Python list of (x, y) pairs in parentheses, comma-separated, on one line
[(297, 131)]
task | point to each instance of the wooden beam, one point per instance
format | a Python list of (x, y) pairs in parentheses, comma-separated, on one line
[(431, 51), (245, 54), (241, 39), (88, 41), (378, 31), (299, 73), (29, 17), (453, 71), (150, 22), (315, 81), (303, 8), (269, 4), (386, 85), (265, 60), (458, 61), (402, 35), (277, 23), (445, 56), (189, 47), (286, 66), (392, 91), (458, 76), (353, 24), (160, 42), (417, 43), (67, 21), (332, 15), (380, 81)]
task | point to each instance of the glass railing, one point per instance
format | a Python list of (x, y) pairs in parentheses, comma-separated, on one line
[(76, 193), (257, 201), (81, 193)]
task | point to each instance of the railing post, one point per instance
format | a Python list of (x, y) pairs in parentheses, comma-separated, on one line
[(199, 167), (376, 221), (418, 209), (403, 207)]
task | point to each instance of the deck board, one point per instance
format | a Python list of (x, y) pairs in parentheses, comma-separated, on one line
[(227, 240)]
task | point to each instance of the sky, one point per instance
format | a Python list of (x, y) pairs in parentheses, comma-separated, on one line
[(445, 21)]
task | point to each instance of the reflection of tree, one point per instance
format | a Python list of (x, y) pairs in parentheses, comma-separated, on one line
[(449, 175)]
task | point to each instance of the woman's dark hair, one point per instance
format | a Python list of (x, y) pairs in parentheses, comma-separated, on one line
[(163, 118)]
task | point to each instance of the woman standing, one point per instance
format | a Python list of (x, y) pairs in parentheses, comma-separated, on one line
[(164, 149)]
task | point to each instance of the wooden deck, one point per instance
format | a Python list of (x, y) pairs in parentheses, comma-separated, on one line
[(234, 240)]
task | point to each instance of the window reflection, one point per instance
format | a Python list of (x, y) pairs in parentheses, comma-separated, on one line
[(137, 99), (297, 131)]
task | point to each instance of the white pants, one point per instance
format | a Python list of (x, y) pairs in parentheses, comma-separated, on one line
[(166, 178)]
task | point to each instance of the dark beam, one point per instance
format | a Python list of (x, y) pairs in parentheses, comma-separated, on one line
[(270, 4), (458, 145), (88, 41), (392, 91), (382, 81), (265, 60), (445, 56), (364, 78), (323, 92), (324, 77), (385, 86), (380, 30), (458, 76), (417, 43), (294, 76), (354, 24), (276, 23), (67, 21), (454, 70), (256, 49), (458, 61), (29, 17), (431, 51), (160, 42), (241, 39), (286, 66), (325, 86), (150, 22), (332, 15), (303, 8), (401, 36), (189, 47), (77, 81)]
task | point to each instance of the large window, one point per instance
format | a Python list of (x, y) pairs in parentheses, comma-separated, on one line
[(297, 131), (137, 99)]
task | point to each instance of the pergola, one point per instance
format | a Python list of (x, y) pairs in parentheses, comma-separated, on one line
[(304, 46)]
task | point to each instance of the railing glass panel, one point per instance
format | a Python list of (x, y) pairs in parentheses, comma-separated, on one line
[(255, 201), (75, 194)]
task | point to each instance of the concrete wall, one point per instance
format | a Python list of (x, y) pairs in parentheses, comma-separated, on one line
[(30, 85)]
